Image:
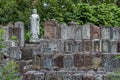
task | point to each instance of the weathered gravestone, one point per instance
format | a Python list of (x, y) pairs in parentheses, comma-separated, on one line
[(14, 31), (97, 61), (115, 33), (118, 47), (87, 45), (87, 60), (58, 60), (27, 53), (96, 46), (78, 60), (67, 32), (20, 36), (15, 53), (86, 31), (83, 60), (78, 33), (37, 61), (114, 46), (95, 32), (111, 62), (68, 61), (6, 33), (69, 46), (106, 33), (78, 46), (105, 46), (49, 46), (52, 29), (48, 61)]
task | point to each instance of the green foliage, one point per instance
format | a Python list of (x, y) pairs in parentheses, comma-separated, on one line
[(99, 13), (14, 38), (1, 38), (9, 70)]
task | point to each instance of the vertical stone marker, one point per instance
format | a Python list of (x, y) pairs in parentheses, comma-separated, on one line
[(113, 47), (52, 29), (68, 61), (15, 53), (78, 33), (115, 33), (6, 33), (97, 46), (95, 32), (105, 33), (20, 25), (105, 46), (64, 31), (86, 31), (34, 26), (67, 32)]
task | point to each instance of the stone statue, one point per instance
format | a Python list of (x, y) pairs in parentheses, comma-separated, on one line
[(34, 26)]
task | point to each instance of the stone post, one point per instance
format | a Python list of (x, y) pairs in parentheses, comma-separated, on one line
[(22, 39)]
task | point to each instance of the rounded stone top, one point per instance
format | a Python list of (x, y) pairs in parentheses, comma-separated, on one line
[(34, 11)]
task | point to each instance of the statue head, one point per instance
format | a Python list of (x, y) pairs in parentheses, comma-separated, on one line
[(34, 11)]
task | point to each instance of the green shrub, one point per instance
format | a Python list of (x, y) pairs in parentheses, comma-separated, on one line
[(9, 70)]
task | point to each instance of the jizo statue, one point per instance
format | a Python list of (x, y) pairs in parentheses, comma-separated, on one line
[(34, 26)]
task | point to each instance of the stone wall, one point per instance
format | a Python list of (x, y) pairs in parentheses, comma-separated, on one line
[(76, 52)]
